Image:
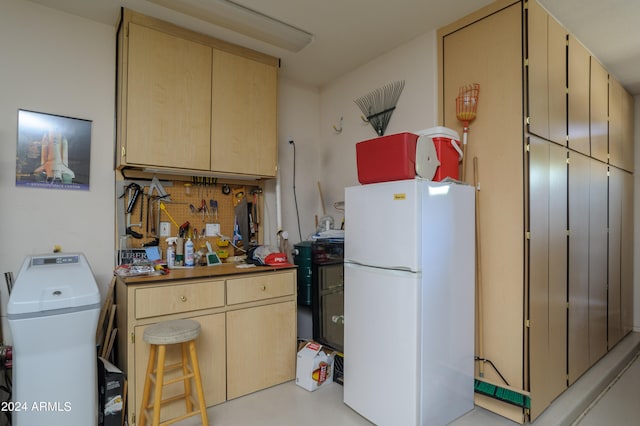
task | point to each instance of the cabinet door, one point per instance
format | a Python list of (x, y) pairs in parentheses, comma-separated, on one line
[(597, 261), (614, 319), (547, 273), (261, 347), (547, 98), (615, 123), (244, 114), (599, 111), (211, 357), (627, 131), (626, 260), (578, 327), (578, 71), (168, 100)]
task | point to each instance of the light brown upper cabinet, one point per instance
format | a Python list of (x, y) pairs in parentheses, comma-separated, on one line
[(578, 70), (547, 65), (620, 126), (243, 125), (599, 111), (168, 108), (192, 104)]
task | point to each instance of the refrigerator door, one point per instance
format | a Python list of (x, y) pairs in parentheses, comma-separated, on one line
[(382, 344), (383, 225)]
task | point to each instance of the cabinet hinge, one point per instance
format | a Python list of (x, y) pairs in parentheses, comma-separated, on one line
[(528, 120), (568, 233), (608, 173), (124, 152), (525, 5), (527, 147), (133, 338), (527, 324), (568, 161), (133, 418), (526, 62), (527, 235)]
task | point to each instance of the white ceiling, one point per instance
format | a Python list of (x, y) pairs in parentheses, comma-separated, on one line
[(350, 33)]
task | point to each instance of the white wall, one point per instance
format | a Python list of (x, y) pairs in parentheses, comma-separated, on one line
[(61, 64)]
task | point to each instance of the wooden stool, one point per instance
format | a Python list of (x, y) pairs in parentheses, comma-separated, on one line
[(159, 336)]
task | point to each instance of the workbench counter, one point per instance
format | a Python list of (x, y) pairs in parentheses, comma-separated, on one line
[(224, 269), (248, 328)]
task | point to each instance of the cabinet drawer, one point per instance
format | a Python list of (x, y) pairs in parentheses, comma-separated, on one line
[(250, 289), (155, 301)]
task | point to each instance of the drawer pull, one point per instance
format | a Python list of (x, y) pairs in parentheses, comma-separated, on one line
[(183, 298)]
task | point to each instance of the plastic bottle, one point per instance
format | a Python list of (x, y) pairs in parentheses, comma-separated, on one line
[(188, 253), (171, 252)]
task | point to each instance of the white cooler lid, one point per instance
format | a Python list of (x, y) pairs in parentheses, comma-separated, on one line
[(439, 131), (55, 282)]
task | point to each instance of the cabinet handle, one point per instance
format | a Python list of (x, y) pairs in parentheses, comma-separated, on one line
[(264, 287), (183, 298)]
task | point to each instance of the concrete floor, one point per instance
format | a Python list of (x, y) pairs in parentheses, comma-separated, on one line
[(606, 395)]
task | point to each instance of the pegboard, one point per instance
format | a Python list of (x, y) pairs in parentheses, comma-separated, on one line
[(186, 205)]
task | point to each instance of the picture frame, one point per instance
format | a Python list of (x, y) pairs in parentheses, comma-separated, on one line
[(53, 151)]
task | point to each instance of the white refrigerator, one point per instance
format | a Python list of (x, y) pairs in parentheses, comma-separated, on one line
[(409, 301)]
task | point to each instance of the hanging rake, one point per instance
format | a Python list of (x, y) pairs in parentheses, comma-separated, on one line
[(378, 106)]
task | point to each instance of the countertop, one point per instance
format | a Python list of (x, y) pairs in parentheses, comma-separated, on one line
[(224, 269)]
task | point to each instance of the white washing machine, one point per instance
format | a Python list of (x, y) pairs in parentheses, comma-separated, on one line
[(53, 314)]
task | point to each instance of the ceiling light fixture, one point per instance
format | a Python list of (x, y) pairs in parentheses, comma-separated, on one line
[(243, 20)]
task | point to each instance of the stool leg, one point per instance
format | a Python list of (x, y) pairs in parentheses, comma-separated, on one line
[(147, 386), (196, 372), (187, 382), (157, 396)]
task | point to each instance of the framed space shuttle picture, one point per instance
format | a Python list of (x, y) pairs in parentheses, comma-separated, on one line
[(53, 151)]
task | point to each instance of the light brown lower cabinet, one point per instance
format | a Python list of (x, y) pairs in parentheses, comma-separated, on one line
[(247, 340)]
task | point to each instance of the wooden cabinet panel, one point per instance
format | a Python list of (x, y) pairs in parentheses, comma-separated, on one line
[(243, 126), (249, 332), (627, 128), (538, 75), (155, 301), (496, 137), (547, 273), (578, 85), (626, 257), (211, 357), (557, 82), (546, 78), (249, 289), (615, 122), (599, 111), (597, 261), (168, 100), (614, 320), (578, 326)]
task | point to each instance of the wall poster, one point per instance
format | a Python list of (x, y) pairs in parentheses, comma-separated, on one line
[(53, 151)]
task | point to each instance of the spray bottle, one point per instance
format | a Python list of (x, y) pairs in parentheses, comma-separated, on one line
[(188, 253), (171, 252)]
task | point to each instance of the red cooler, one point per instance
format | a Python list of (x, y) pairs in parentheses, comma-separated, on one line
[(386, 158), (432, 154)]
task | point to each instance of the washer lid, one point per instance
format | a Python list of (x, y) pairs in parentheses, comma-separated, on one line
[(53, 283)]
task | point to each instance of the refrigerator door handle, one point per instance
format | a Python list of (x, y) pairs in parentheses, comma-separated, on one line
[(391, 268)]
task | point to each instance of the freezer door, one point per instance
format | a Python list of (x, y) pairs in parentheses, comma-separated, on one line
[(382, 224), (381, 344)]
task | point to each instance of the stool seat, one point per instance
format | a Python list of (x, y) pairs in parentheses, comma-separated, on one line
[(171, 332)]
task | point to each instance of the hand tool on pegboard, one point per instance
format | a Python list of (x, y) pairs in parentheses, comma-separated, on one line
[(133, 191)]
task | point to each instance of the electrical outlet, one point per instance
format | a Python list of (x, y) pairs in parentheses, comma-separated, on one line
[(212, 229), (165, 229)]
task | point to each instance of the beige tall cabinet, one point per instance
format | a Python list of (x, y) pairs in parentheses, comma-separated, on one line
[(555, 198)]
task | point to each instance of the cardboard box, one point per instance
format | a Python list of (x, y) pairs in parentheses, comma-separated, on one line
[(110, 393), (314, 367)]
